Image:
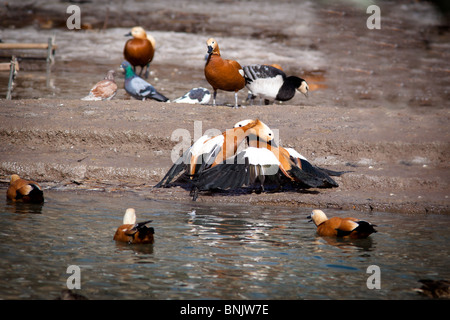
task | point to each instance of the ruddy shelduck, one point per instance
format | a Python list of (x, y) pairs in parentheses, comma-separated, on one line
[(105, 89), (132, 232), (139, 50), (341, 227), (24, 190), (207, 151), (220, 163), (260, 166), (221, 73)]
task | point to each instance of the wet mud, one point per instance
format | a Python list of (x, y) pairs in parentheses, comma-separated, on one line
[(378, 106)]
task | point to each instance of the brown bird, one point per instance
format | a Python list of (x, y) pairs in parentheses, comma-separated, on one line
[(132, 232), (140, 50), (261, 165), (207, 152), (341, 227), (223, 74), (105, 89), (24, 190)]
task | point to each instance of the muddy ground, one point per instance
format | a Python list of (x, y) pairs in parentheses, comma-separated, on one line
[(379, 104)]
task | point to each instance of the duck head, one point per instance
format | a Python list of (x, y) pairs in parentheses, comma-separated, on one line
[(317, 216), (213, 46), (130, 216), (137, 32), (303, 87)]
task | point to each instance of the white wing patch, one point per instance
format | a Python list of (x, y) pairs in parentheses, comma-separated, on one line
[(266, 87)]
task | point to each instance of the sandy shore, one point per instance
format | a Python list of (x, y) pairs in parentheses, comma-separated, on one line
[(398, 159)]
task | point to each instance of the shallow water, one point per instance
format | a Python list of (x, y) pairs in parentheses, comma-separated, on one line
[(221, 252)]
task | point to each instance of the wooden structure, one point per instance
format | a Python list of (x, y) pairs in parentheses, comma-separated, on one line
[(13, 66)]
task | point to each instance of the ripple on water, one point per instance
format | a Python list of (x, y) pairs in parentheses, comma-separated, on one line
[(222, 252)]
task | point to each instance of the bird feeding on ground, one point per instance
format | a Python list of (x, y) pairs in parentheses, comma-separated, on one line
[(272, 83)]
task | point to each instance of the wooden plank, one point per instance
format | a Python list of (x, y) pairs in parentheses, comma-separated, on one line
[(4, 66), (20, 46)]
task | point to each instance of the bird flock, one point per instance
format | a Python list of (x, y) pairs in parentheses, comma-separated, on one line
[(268, 82), (244, 158)]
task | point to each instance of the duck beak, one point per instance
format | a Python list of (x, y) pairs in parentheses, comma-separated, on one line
[(306, 93), (210, 49), (128, 34), (310, 219)]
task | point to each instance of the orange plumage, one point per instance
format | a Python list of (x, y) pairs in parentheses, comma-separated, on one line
[(132, 232), (221, 73), (24, 190), (139, 50), (341, 227)]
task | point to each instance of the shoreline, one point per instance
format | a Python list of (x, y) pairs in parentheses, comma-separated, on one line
[(397, 158)]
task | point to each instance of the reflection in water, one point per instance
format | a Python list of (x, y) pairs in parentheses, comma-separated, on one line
[(344, 244), (23, 207), (220, 252)]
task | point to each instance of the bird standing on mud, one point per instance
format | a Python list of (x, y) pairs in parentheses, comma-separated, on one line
[(137, 87), (139, 50), (271, 83), (105, 89), (221, 73)]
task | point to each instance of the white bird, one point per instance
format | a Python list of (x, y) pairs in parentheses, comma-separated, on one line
[(272, 83), (194, 96)]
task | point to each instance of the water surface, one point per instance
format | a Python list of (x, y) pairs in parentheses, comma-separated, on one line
[(221, 252)]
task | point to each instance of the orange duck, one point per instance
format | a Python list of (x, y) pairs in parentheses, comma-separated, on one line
[(223, 74), (207, 152), (24, 190), (341, 227), (140, 50), (262, 165), (132, 232)]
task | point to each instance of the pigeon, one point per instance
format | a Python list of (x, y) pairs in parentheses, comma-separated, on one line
[(105, 89), (137, 87)]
